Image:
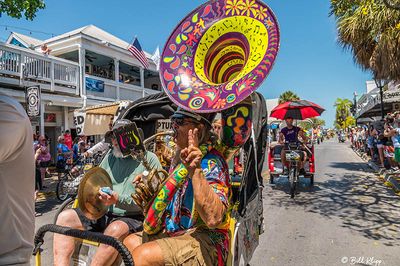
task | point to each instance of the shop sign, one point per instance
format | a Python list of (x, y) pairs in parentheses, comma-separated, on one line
[(33, 99)]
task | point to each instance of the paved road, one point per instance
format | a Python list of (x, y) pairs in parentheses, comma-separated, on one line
[(348, 214), (348, 217)]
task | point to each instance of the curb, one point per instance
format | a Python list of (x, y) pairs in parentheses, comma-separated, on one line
[(390, 180)]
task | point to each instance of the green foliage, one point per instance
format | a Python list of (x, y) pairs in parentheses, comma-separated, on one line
[(371, 31), (311, 123), (19, 8), (288, 96), (343, 116)]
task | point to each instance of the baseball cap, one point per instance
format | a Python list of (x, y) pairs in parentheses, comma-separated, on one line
[(208, 118)]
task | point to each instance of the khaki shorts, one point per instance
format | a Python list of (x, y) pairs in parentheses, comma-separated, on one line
[(192, 248)]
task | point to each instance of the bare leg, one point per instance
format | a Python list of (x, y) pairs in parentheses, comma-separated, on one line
[(106, 255), (64, 245), (381, 157), (283, 158), (132, 241), (148, 254)]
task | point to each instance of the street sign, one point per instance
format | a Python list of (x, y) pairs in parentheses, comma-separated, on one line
[(33, 101)]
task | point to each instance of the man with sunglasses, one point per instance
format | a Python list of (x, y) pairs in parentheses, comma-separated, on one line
[(195, 224), (123, 217)]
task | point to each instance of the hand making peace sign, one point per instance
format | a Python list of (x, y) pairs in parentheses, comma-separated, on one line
[(191, 156)]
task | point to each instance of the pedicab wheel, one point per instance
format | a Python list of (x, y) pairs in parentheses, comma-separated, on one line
[(81, 234), (60, 190), (292, 189), (68, 204)]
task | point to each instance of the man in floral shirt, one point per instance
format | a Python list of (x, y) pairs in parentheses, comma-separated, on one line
[(196, 222)]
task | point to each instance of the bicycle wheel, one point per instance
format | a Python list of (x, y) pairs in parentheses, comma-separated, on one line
[(67, 204), (293, 182), (61, 190)]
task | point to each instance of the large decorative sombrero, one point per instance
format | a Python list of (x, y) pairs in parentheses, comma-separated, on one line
[(219, 54)]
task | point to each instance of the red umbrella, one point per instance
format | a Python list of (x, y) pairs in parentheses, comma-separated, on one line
[(299, 110)]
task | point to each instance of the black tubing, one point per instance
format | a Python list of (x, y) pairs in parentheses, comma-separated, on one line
[(92, 236)]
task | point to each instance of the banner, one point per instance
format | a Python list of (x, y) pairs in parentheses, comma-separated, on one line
[(79, 122), (94, 85), (33, 100)]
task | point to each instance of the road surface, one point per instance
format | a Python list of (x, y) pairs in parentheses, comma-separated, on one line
[(348, 217)]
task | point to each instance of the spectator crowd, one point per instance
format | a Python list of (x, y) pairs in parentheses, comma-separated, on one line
[(380, 141)]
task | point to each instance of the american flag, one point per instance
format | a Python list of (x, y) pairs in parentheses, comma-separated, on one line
[(137, 52)]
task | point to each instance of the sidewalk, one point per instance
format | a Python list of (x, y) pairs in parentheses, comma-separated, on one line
[(390, 179), (46, 199)]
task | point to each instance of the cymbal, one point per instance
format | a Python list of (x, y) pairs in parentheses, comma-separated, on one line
[(88, 193)]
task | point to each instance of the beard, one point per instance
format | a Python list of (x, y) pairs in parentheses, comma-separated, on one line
[(117, 152)]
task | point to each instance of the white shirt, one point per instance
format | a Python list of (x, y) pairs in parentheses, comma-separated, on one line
[(17, 184), (99, 147)]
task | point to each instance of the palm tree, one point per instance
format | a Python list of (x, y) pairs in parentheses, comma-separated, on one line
[(371, 31), (342, 110), (288, 96), (311, 123)]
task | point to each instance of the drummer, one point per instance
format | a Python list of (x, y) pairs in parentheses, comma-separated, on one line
[(195, 225), (123, 217)]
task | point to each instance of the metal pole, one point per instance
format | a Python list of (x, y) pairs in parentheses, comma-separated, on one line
[(381, 94), (355, 106)]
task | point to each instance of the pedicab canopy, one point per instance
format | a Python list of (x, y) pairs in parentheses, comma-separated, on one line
[(96, 120)]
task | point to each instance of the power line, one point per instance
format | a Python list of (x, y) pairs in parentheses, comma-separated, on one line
[(7, 27)]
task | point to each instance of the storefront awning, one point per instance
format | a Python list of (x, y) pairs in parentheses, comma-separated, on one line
[(96, 120)]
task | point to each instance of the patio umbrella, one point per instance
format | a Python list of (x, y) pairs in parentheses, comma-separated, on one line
[(299, 110)]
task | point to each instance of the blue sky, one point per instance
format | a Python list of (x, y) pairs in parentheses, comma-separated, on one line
[(310, 62)]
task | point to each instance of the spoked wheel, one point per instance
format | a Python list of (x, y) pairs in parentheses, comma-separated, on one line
[(293, 182), (68, 204), (293, 186), (61, 190)]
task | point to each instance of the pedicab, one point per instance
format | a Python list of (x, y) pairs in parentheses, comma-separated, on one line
[(299, 110), (213, 61)]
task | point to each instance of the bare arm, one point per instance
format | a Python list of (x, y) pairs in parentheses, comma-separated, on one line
[(209, 205), (390, 132), (281, 138), (303, 136)]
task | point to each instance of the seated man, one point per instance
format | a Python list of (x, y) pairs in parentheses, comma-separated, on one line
[(290, 134), (195, 224), (123, 218)]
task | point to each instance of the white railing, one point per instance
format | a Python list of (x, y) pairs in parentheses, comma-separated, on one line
[(26, 65), (118, 91)]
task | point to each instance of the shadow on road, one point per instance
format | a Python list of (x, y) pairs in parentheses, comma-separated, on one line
[(350, 166), (361, 202)]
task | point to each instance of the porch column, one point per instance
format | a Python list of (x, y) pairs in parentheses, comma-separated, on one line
[(82, 53), (142, 79), (66, 124), (41, 131), (116, 69)]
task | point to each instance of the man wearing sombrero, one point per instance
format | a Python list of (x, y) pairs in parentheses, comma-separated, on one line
[(195, 223)]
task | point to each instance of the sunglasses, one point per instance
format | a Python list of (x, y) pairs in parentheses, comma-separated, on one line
[(181, 121)]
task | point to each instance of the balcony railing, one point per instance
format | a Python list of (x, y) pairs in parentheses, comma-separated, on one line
[(20, 66), (112, 90)]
